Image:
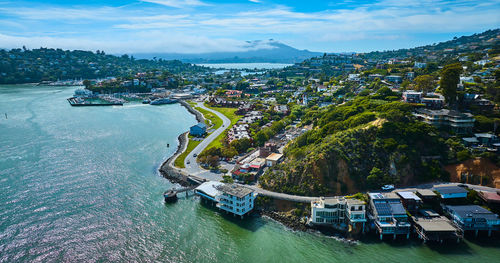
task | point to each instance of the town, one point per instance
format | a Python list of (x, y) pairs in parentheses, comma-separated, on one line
[(394, 143)]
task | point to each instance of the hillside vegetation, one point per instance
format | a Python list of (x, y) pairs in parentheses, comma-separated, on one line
[(362, 144)]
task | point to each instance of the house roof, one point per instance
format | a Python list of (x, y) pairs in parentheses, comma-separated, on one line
[(450, 190), (201, 125), (234, 190), (439, 224), (274, 156), (493, 197), (409, 195), (470, 139), (426, 193), (209, 188), (472, 211)]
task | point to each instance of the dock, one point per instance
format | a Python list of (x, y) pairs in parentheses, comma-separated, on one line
[(171, 195)]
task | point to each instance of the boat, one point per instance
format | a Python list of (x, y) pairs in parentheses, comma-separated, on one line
[(146, 101), (162, 101)]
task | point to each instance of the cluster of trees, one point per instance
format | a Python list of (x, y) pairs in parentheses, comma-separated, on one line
[(45, 64)]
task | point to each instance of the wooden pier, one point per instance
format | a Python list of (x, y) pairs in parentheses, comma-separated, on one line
[(171, 195)]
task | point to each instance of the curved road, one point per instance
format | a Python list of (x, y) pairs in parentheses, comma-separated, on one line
[(192, 167)]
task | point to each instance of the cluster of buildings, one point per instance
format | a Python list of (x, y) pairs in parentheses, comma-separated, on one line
[(252, 165), (400, 213)]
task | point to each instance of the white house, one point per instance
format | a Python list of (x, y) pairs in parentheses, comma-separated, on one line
[(339, 212)]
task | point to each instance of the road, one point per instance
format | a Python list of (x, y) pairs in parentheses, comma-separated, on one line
[(281, 196), (190, 163), (431, 185)]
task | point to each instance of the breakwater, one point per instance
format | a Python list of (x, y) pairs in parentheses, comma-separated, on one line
[(197, 114), (167, 168)]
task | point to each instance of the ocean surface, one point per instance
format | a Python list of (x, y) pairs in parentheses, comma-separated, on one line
[(246, 65), (80, 184)]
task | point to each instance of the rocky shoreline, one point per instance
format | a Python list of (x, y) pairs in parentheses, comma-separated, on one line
[(197, 114), (167, 168), (286, 219)]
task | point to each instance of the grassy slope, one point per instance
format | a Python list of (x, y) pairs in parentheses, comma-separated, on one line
[(179, 161), (230, 114), (210, 116)]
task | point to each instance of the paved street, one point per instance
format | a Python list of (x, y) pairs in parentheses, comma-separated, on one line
[(192, 167)]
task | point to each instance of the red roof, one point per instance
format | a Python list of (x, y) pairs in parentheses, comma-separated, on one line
[(237, 172), (255, 166), (490, 196)]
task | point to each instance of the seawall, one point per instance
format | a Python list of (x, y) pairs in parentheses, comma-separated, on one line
[(167, 169), (197, 114)]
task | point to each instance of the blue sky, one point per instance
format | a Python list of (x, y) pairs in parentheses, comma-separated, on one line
[(199, 26)]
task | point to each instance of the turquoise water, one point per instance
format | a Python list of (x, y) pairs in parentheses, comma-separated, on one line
[(80, 184)]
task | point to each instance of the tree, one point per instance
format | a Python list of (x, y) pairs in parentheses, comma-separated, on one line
[(261, 138), (450, 77), (86, 83), (425, 83), (375, 178)]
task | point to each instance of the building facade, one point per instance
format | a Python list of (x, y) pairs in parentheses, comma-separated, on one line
[(340, 213), (235, 199)]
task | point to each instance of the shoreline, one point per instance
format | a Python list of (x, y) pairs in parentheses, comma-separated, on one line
[(167, 170)]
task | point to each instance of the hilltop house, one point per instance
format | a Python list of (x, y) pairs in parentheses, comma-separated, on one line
[(458, 122)]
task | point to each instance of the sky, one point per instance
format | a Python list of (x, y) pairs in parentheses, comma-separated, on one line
[(201, 26)]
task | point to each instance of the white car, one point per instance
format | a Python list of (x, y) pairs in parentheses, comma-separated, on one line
[(388, 187)]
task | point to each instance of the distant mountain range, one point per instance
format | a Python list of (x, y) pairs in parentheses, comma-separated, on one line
[(269, 51)]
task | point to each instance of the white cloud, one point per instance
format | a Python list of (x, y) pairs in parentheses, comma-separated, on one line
[(177, 3), (224, 27)]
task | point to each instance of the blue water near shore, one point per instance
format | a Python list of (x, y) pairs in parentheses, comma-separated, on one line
[(80, 184)]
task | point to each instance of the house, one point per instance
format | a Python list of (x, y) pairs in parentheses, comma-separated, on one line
[(394, 78), (235, 199), (491, 198), (427, 195), (198, 130), (456, 121), (411, 96), (273, 159), (450, 192), (387, 214), (473, 218), (419, 65), (283, 109), (410, 75), (340, 213), (486, 139), (410, 201), (430, 226), (433, 102), (470, 141)]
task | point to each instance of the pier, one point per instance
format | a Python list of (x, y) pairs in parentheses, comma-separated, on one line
[(171, 195)]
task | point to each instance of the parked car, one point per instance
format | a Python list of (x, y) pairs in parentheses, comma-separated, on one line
[(388, 187), (194, 155), (188, 162)]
